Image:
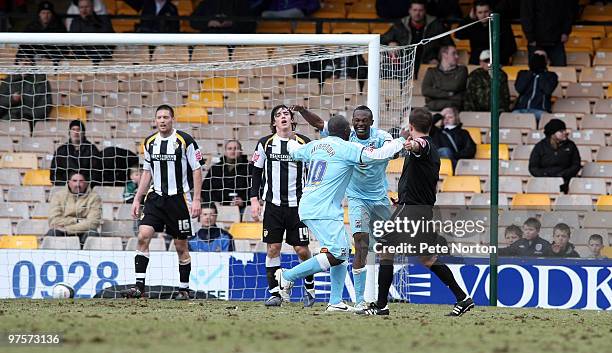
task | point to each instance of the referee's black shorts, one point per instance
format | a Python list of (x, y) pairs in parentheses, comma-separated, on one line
[(277, 220), (171, 212)]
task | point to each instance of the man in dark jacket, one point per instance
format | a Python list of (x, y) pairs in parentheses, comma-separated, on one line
[(478, 34), (25, 96), (210, 237), (89, 22), (547, 25), (158, 9), (45, 22), (531, 244), (415, 27), (535, 87), (452, 141), (444, 85), (222, 11), (561, 246), (555, 155), (78, 154), (229, 180)]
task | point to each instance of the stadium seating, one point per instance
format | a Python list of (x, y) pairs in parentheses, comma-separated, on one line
[(156, 244), (26, 194), (590, 186), (517, 121), (37, 177), (483, 151), (573, 202), (246, 230), (597, 170), (446, 166), (544, 185), (531, 201), (61, 243), (9, 177), (479, 167), (121, 228), (604, 203), (19, 160), (32, 227), (507, 184), (103, 243), (597, 220), (450, 199), (550, 219), (483, 200), (6, 228), (461, 184), (18, 242)]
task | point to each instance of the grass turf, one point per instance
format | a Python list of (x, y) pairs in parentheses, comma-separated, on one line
[(240, 327)]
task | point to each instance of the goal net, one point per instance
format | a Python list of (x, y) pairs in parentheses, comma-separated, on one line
[(222, 88)]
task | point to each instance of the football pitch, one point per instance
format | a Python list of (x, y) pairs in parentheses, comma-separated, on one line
[(117, 325)]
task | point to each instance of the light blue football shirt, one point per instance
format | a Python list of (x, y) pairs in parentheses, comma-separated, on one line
[(369, 182), (331, 162)]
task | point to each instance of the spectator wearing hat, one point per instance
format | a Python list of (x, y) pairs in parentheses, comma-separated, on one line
[(45, 22), (478, 92), (78, 154), (535, 87), (555, 155)]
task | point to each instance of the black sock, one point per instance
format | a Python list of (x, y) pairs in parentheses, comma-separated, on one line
[(385, 278), (272, 282), (446, 276), (184, 271), (309, 282), (140, 265)]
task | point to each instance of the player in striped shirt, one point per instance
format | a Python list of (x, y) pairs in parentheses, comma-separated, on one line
[(173, 162), (283, 182)]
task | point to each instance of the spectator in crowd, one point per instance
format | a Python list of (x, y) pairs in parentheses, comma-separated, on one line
[(99, 7), (596, 244), (444, 85), (412, 29), (46, 22), (222, 11), (25, 96), (290, 8), (210, 237), (535, 87), (531, 244), (512, 234), (393, 9), (478, 92), (130, 188), (76, 154), (555, 155), (90, 22), (452, 140), (75, 210), (444, 9), (228, 181), (547, 25), (561, 247), (478, 34), (158, 9)]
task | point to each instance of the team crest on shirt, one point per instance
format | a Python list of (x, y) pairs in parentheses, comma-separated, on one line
[(176, 145), (255, 157), (198, 155), (358, 224)]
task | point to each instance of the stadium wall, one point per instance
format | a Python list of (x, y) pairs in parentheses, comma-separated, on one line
[(546, 283)]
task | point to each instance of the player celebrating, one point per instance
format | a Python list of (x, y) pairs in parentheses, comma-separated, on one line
[(173, 161), (417, 195), (366, 192), (331, 165), (282, 192)]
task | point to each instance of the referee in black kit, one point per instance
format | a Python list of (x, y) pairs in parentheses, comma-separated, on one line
[(283, 182), (417, 195), (173, 162)]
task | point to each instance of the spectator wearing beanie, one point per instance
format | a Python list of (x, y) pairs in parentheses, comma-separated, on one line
[(535, 87), (555, 155), (78, 154)]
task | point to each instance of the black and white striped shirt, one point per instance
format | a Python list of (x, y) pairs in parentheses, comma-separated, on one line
[(284, 178), (171, 161)]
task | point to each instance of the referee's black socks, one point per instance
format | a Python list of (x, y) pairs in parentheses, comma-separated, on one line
[(385, 278), (446, 276), (272, 264), (141, 261)]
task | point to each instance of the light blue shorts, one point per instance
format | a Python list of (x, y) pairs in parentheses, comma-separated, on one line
[(331, 236), (362, 213)]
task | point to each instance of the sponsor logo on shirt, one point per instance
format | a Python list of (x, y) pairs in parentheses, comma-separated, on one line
[(164, 157), (280, 157)]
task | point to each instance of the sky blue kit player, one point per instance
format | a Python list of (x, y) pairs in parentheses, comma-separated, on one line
[(331, 162), (366, 192)]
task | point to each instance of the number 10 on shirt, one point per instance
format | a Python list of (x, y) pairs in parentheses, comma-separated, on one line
[(316, 171)]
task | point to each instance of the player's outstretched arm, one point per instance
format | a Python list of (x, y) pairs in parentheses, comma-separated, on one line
[(143, 185), (196, 205), (372, 155), (310, 117)]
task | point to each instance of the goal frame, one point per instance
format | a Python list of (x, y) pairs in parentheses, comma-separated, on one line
[(371, 40)]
